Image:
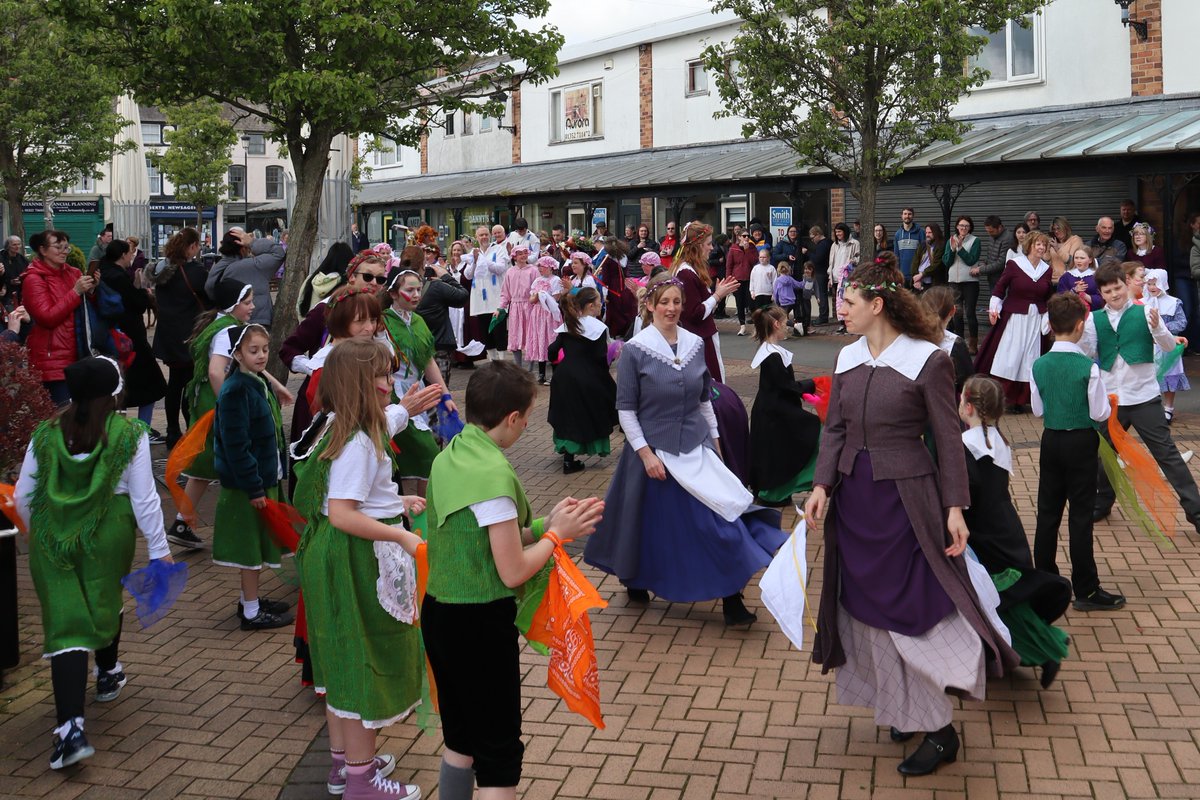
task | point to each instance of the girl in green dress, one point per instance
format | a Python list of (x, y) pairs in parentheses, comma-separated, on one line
[(414, 345), (366, 662), (248, 439), (85, 488)]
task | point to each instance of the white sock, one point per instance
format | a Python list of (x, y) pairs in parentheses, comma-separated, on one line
[(62, 730), (118, 667), (1169, 409), (179, 518), (250, 608)]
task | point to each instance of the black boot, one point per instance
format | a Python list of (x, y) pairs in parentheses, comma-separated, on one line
[(736, 613), (637, 595), (542, 372), (937, 747), (571, 464), (1049, 673), (899, 736)]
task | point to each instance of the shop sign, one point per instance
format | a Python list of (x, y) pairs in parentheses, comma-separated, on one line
[(599, 217), (781, 220), (63, 207), (577, 113), (177, 209)]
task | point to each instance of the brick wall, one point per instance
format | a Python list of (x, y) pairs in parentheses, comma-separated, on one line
[(648, 213), (646, 95), (424, 154), (837, 206), (1146, 58), (516, 121)]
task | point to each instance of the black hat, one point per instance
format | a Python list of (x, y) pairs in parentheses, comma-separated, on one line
[(92, 377), (238, 332), (229, 292)]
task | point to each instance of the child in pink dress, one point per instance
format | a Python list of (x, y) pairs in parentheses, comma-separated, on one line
[(543, 294), (514, 299)]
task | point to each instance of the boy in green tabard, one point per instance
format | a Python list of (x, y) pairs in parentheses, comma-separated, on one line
[(1068, 393), (484, 546)]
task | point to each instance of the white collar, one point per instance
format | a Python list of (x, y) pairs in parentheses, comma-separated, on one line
[(1165, 303), (1067, 347), (683, 265), (1022, 261), (906, 355), (948, 340), (1000, 452), (590, 327), (766, 349), (1081, 273), (403, 316), (687, 345)]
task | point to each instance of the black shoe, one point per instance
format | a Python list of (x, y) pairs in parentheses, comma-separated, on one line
[(571, 465), (1049, 673), (109, 685), (938, 747), (735, 612), (637, 595), (181, 533), (899, 736), (265, 620), (1099, 514), (71, 749), (173, 438), (266, 604), (1099, 600), (156, 437)]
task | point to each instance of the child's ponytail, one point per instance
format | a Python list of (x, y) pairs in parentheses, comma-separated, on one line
[(987, 396)]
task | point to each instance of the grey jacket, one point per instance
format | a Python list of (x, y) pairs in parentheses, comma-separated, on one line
[(266, 256), (994, 253), (1194, 257)]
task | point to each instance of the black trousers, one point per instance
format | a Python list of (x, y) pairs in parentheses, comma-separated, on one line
[(741, 296), (69, 675), (474, 652), (1067, 479), (802, 312), (825, 297), (180, 374), (966, 297), (1150, 423)]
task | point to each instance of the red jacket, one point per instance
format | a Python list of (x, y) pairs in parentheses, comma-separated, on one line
[(739, 261), (50, 298)]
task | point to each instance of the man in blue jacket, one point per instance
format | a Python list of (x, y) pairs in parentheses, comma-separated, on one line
[(907, 240)]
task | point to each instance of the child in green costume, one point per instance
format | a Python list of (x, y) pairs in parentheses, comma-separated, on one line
[(248, 439), (366, 662), (414, 346), (85, 487), (484, 545)]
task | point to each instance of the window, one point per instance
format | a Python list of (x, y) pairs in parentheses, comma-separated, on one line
[(468, 123), (387, 153), (85, 185), (697, 78), (274, 183), (257, 144), (450, 124), (576, 112), (1011, 53), (156, 181), (152, 133), (485, 124), (237, 182)]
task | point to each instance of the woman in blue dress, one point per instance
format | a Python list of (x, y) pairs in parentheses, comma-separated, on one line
[(679, 523)]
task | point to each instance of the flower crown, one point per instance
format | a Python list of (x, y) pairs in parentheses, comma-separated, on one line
[(1143, 226), (340, 296), (883, 286), (365, 255)]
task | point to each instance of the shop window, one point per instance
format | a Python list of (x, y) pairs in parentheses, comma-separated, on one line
[(1012, 54), (576, 112), (256, 144), (237, 182), (274, 183), (156, 181), (697, 78), (152, 133)]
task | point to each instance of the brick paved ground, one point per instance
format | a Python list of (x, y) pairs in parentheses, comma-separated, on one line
[(693, 710)]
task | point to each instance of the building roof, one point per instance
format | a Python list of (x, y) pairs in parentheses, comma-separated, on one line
[(657, 31), (1137, 128)]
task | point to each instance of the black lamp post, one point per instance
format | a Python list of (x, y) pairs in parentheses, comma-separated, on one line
[(1141, 26)]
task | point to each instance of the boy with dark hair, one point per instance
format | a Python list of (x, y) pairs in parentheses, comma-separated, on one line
[(1068, 393), (1121, 336)]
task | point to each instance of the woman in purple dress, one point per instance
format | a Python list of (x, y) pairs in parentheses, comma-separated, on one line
[(899, 619)]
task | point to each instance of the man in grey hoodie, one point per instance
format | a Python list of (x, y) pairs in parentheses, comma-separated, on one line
[(251, 261)]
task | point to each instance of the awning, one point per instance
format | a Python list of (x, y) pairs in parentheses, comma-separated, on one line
[(1134, 129)]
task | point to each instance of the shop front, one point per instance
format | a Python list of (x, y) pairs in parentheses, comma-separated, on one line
[(82, 220), (169, 217)]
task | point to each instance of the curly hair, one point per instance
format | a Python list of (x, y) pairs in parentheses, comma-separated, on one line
[(901, 308), (691, 250)]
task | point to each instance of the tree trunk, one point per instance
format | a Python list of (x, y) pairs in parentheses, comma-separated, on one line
[(310, 162), (868, 190), (199, 219), (14, 196)]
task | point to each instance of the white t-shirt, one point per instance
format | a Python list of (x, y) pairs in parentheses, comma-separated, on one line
[(362, 474), (222, 344), (498, 509), (530, 240)]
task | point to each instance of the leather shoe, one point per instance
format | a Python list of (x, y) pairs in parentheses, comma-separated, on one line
[(899, 736), (637, 595), (938, 747), (1099, 514), (1049, 673)]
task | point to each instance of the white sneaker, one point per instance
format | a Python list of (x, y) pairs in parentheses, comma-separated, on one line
[(741, 330)]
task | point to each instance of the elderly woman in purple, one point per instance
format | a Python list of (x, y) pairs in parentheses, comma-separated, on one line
[(899, 620)]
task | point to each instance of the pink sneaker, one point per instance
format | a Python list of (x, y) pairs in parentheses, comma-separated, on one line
[(373, 786), (336, 782)]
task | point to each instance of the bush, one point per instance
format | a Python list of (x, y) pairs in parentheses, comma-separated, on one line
[(77, 259), (24, 403)]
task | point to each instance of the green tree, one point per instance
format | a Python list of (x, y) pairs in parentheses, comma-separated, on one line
[(314, 69), (855, 86), (197, 158), (58, 120)]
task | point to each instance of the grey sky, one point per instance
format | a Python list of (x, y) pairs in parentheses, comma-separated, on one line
[(582, 20)]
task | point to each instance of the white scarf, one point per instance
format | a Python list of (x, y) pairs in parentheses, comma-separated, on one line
[(995, 446), (766, 349)]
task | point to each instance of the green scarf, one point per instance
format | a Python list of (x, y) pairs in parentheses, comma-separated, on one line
[(70, 497), (199, 350), (413, 341), (472, 469)]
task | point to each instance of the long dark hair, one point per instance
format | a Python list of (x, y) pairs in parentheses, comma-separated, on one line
[(177, 246), (573, 304), (83, 424)]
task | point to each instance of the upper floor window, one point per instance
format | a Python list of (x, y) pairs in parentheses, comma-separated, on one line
[(1012, 54), (85, 185), (697, 78), (237, 182), (156, 181), (450, 124), (387, 152), (152, 133), (468, 123), (274, 183), (577, 112), (256, 144), (485, 124)]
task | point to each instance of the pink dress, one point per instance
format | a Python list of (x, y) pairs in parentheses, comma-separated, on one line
[(545, 317), (514, 296)]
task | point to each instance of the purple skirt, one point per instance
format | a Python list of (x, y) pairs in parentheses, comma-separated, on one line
[(886, 580)]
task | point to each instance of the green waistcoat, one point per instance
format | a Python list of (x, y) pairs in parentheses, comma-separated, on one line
[(1131, 340), (413, 341), (1062, 382)]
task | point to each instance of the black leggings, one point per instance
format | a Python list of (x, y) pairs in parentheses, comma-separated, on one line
[(69, 674), (181, 373), (966, 297), (742, 298)]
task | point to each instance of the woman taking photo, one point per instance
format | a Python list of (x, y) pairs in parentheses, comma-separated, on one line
[(1063, 244), (179, 289), (678, 524), (899, 619)]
